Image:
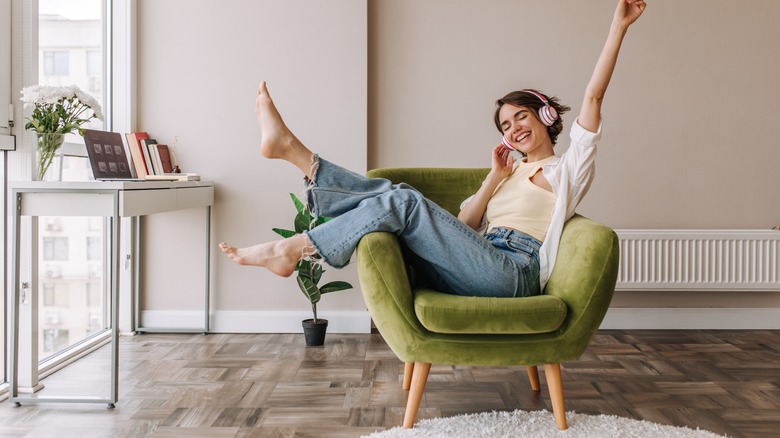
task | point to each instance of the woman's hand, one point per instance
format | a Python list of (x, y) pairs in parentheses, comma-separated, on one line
[(502, 166), (628, 11), (502, 162)]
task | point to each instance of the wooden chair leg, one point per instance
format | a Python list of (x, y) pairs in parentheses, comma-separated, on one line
[(419, 378), (533, 377), (552, 372), (408, 373)]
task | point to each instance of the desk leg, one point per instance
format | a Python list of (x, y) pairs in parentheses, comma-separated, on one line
[(208, 267), (28, 349), (136, 260), (115, 270), (13, 371)]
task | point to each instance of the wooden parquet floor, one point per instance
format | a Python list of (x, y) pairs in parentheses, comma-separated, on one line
[(270, 385)]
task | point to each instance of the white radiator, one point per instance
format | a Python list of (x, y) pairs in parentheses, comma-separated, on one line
[(703, 260)]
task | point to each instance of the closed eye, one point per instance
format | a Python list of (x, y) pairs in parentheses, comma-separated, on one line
[(520, 115)]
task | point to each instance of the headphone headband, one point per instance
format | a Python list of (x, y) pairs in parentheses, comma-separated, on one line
[(547, 113), (542, 98)]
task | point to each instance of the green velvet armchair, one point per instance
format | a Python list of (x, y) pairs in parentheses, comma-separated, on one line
[(423, 326)]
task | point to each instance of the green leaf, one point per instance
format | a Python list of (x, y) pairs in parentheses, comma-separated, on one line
[(303, 267), (284, 233), (335, 286), (316, 273), (298, 204), (320, 220), (302, 222), (308, 288)]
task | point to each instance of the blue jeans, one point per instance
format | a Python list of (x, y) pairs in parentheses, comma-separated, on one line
[(451, 255)]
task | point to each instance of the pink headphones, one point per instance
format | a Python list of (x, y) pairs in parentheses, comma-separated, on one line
[(547, 114)]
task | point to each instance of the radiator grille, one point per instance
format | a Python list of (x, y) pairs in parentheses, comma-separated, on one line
[(699, 260)]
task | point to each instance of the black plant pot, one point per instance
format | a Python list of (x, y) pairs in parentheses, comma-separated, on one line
[(315, 332)]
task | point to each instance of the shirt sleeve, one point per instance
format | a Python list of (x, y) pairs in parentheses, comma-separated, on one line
[(582, 136)]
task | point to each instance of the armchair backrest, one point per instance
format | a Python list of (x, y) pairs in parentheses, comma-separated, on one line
[(447, 187)]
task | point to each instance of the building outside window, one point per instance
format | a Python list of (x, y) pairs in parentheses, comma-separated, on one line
[(71, 257), (56, 63), (55, 248)]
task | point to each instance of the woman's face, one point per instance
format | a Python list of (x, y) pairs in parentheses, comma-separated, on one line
[(522, 128)]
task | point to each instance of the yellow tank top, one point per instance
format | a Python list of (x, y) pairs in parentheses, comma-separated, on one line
[(520, 204)]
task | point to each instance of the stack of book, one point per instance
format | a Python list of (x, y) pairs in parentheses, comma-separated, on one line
[(152, 160)]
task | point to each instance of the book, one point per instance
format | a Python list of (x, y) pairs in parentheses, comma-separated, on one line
[(174, 177), (165, 158), (129, 155), (136, 152), (155, 159), (145, 143)]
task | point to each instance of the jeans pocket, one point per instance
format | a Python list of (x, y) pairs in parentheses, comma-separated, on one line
[(520, 244)]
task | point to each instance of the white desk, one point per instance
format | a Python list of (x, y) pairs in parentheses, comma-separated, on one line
[(114, 200)]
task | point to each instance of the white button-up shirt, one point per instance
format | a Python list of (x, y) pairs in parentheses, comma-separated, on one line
[(569, 176)]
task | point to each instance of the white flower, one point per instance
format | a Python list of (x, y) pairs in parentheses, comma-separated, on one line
[(59, 109), (89, 101)]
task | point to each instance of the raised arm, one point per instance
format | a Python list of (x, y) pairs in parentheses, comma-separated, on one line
[(626, 14)]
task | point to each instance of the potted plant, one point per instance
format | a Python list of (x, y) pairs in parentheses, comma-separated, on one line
[(309, 274), (56, 111)]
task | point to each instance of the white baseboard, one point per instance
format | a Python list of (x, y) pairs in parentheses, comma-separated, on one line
[(618, 318), (227, 321)]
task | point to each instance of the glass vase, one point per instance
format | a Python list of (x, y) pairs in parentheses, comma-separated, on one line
[(47, 154)]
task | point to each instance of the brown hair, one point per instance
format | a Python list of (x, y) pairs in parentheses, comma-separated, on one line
[(529, 100)]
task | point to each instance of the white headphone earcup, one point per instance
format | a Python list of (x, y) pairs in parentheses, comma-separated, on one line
[(548, 115)]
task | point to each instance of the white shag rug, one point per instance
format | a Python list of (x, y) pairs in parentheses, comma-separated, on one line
[(538, 424)]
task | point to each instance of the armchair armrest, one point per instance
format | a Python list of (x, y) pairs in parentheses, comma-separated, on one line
[(386, 288), (584, 275)]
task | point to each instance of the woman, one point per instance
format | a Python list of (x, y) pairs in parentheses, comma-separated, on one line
[(524, 205)]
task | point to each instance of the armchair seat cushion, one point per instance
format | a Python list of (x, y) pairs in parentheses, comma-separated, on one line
[(446, 313)]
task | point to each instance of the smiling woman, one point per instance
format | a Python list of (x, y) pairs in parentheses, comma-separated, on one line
[(456, 256)]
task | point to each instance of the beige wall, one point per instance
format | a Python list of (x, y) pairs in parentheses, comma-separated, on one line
[(199, 64), (687, 119), (686, 122)]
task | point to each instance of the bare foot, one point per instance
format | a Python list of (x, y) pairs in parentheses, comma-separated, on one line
[(277, 140), (279, 257)]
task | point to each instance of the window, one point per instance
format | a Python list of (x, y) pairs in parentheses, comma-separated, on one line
[(6, 142), (94, 295), (55, 295), (72, 51), (94, 248), (55, 340), (56, 63), (72, 48), (55, 248)]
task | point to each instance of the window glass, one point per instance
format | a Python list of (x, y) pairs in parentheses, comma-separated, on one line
[(70, 46), (71, 258), (55, 248), (56, 63)]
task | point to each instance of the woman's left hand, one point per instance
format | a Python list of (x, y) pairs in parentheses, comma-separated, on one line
[(628, 11)]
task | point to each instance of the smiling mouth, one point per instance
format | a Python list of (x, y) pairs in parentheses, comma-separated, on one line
[(522, 137)]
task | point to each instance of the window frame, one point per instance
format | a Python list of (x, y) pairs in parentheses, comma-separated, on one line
[(119, 107)]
